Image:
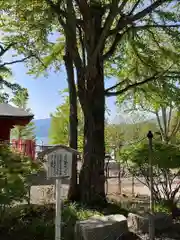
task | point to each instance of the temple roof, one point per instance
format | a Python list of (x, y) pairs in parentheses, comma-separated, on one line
[(6, 110)]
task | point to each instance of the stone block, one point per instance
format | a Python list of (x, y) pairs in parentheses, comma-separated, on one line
[(101, 228), (162, 221)]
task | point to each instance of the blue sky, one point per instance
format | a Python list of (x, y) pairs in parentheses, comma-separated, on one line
[(44, 91)]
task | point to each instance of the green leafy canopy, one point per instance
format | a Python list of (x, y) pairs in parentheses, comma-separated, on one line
[(59, 129), (33, 26), (165, 156)]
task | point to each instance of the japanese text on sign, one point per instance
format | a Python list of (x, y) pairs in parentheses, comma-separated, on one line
[(59, 165)]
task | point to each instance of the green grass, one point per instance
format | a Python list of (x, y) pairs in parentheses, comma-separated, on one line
[(37, 222)]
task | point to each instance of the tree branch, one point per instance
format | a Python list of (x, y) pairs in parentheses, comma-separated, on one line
[(15, 61), (169, 117), (123, 4), (174, 72), (12, 86), (108, 23), (56, 7), (109, 94), (134, 7), (71, 33), (129, 20), (84, 9), (164, 120), (175, 128), (58, 11), (145, 109), (136, 84), (70, 30), (3, 50), (82, 46), (116, 85), (172, 76), (148, 10), (144, 27), (114, 45)]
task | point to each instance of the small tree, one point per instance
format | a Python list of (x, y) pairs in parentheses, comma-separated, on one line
[(59, 130), (15, 169), (166, 168), (20, 99)]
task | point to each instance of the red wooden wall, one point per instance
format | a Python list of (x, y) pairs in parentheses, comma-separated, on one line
[(27, 147)]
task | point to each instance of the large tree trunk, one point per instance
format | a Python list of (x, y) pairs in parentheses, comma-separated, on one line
[(73, 123), (92, 180), (90, 79)]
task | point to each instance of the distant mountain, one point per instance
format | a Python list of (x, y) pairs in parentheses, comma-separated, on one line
[(42, 129), (43, 126)]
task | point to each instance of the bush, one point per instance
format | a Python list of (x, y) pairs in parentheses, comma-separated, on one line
[(166, 168), (29, 222), (37, 222), (14, 171), (161, 207)]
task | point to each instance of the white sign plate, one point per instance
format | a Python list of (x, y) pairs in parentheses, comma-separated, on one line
[(59, 164)]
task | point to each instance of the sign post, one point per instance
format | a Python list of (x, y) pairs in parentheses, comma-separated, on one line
[(59, 165), (58, 210)]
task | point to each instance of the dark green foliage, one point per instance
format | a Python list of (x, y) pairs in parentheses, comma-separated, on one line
[(161, 207), (5, 74), (166, 169), (164, 155), (15, 169), (23, 222), (37, 222)]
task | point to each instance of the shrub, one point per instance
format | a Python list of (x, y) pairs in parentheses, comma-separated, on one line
[(29, 222), (161, 207), (37, 222), (166, 168), (14, 171)]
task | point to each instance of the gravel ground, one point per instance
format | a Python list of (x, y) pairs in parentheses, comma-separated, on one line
[(45, 194), (39, 192)]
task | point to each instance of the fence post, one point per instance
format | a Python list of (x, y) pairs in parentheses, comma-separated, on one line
[(119, 179), (133, 185), (151, 216), (119, 171)]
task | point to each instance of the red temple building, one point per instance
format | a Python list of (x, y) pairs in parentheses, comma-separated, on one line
[(11, 116)]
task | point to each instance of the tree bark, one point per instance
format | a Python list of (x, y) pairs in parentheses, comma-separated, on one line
[(73, 124), (90, 79), (92, 179), (92, 98)]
